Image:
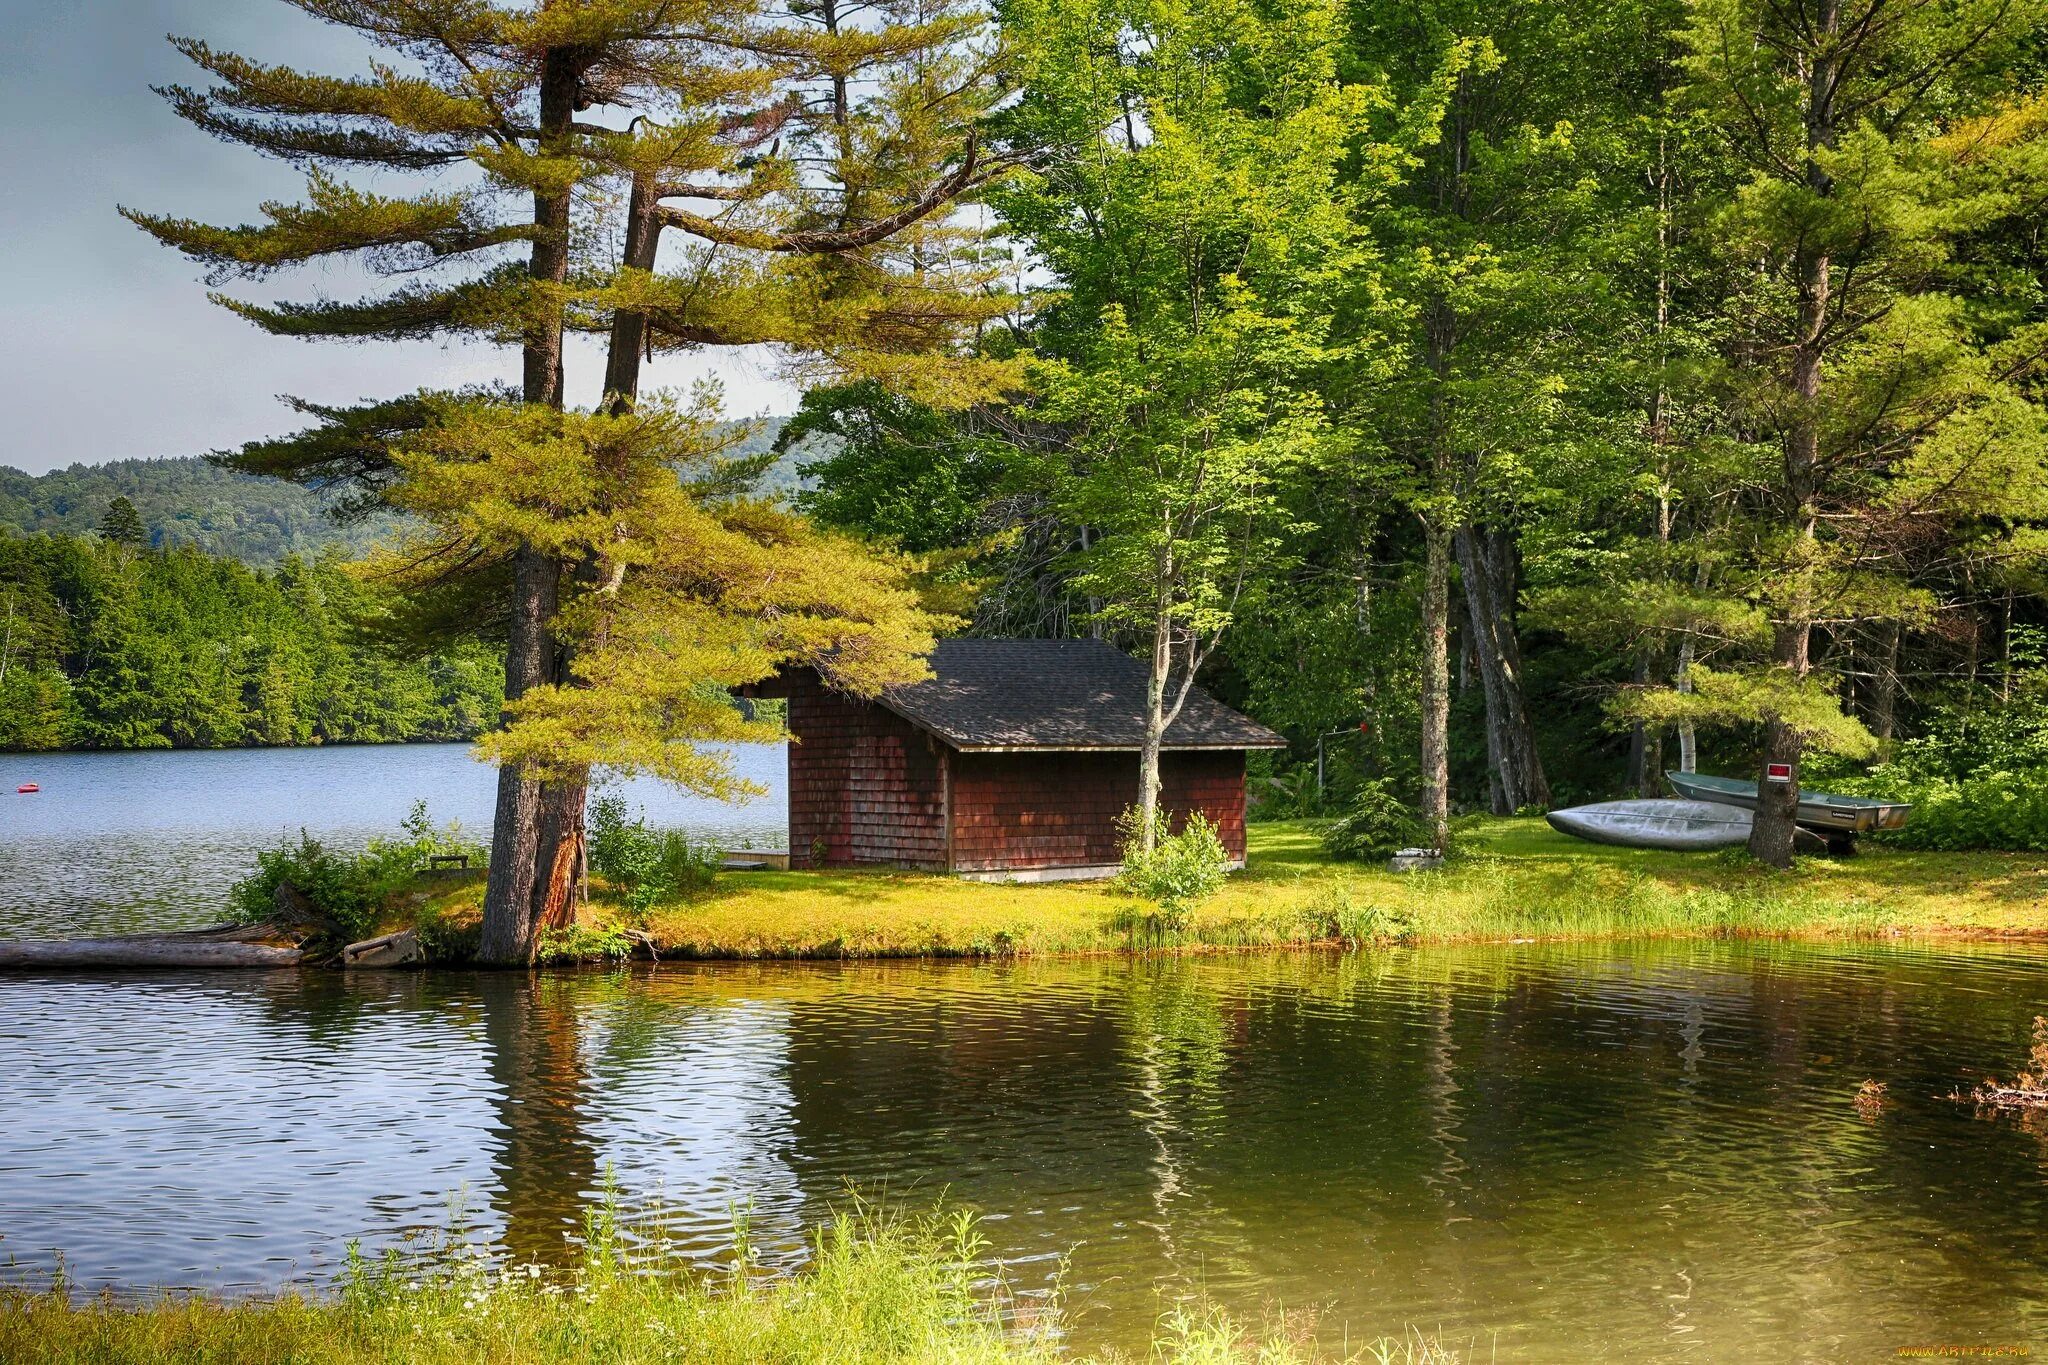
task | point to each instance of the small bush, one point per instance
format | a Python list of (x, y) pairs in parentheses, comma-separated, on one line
[(1182, 870), (1334, 914), (351, 889), (1378, 825), (651, 866), (583, 943)]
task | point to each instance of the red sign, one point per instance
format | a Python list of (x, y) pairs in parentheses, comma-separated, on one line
[(1777, 772)]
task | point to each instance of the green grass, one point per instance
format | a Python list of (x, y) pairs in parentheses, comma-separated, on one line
[(1512, 879), (877, 1290)]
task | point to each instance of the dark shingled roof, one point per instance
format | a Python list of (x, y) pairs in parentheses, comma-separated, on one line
[(1057, 694)]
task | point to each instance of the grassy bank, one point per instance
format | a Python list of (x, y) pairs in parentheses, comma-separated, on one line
[(1513, 879), (900, 1292)]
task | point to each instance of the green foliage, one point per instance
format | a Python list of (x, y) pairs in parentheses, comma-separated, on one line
[(187, 501), (653, 867), (891, 468), (1977, 775), (1183, 869), (340, 885), (103, 646), (1378, 825), (576, 943), (1808, 706), (351, 889), (122, 524)]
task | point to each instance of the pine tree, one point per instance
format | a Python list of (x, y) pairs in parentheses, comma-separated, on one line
[(122, 524), (807, 158), (1877, 388)]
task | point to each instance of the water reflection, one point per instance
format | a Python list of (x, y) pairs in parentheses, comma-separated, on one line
[(125, 842), (1654, 1147)]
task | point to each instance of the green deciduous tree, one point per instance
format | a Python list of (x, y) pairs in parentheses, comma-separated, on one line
[(1191, 214)]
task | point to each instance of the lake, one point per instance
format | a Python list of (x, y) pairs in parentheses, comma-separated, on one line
[(1536, 1148), (1551, 1152), (120, 842)]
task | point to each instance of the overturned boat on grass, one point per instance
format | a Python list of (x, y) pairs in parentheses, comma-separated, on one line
[(1661, 823)]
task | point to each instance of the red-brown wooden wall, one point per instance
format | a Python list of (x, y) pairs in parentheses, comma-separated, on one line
[(1020, 811), (867, 786)]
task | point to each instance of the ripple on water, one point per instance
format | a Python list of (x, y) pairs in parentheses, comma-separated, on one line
[(1650, 1147)]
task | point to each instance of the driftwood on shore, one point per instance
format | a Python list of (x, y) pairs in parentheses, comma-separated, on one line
[(225, 945)]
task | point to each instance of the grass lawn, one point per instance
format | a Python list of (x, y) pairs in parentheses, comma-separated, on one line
[(1512, 879)]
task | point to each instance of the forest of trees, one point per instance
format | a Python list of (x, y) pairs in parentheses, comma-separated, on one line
[(1518, 398), (185, 501), (108, 644)]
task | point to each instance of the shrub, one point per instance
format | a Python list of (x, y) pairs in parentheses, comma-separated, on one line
[(652, 867), (1182, 870), (1378, 825), (1334, 914), (574, 943), (351, 889)]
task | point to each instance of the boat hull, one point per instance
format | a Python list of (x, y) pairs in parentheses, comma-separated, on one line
[(1681, 825), (1817, 810)]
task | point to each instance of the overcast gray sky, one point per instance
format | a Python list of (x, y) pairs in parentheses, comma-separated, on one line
[(108, 347)]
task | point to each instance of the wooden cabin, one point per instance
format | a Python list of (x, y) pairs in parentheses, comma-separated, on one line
[(1012, 762)]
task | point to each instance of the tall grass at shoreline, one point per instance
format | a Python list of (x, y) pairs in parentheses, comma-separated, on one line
[(880, 1289), (1515, 879)]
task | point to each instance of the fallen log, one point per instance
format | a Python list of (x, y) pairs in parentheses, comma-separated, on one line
[(127, 953), (223, 945)]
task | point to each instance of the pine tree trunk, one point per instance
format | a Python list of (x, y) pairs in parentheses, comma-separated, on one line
[(521, 889), (1436, 683), (516, 837), (558, 855), (1688, 744), (1770, 838)]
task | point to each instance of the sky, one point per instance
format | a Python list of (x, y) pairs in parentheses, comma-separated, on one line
[(108, 347)]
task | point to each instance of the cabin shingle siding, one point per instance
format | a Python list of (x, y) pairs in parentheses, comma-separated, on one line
[(1027, 811), (865, 785)]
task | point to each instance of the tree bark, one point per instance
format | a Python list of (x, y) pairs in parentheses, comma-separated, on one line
[(1436, 682), (1156, 678), (1486, 563), (1770, 838), (524, 855)]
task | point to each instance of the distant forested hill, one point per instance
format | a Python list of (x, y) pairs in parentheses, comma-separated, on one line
[(186, 501), (183, 502)]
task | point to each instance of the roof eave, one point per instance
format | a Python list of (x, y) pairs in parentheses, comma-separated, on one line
[(1229, 747)]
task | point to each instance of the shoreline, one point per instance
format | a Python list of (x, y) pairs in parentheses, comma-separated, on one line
[(1514, 880)]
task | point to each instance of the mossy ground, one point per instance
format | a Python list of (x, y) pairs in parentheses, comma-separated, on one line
[(1511, 879)]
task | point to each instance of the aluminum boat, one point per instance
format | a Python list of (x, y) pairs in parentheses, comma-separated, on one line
[(1817, 810), (1660, 823)]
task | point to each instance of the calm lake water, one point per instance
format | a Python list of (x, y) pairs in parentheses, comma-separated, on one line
[(136, 841), (1637, 1152), (1644, 1152)]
